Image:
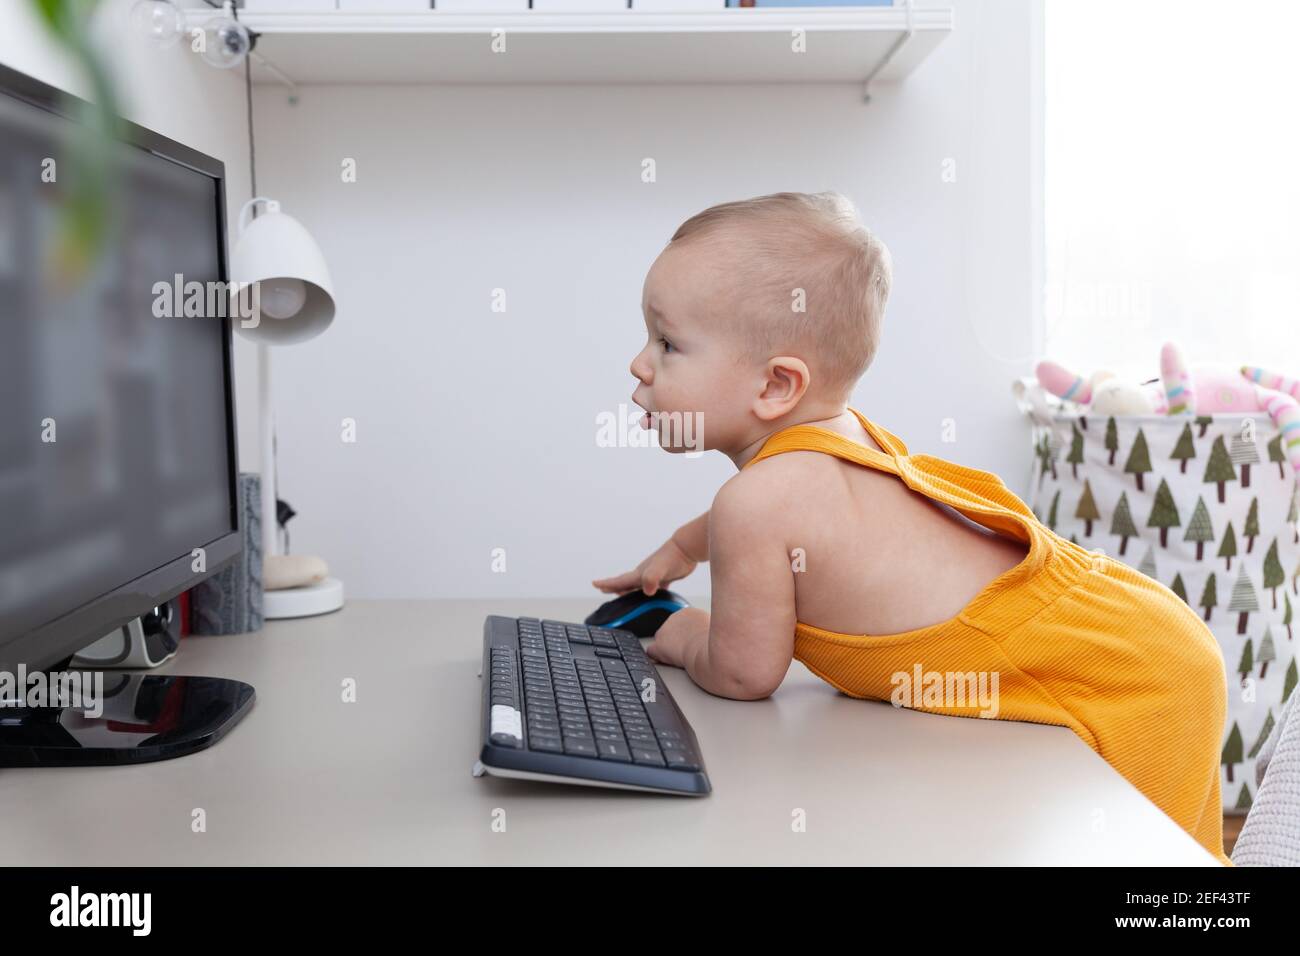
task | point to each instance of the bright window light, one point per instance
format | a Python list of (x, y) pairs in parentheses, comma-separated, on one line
[(1172, 192)]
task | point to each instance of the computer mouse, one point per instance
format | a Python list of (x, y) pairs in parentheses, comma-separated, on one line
[(638, 612)]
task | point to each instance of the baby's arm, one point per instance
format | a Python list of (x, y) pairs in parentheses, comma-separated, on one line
[(743, 649), (693, 538), (674, 559)]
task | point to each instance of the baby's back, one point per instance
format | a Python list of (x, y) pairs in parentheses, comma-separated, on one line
[(877, 557)]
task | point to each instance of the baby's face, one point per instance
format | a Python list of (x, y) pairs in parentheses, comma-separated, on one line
[(689, 363)]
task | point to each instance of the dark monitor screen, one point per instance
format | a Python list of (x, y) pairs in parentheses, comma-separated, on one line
[(117, 456)]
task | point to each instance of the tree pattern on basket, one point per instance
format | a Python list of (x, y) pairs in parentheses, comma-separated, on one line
[(1232, 754), (1148, 565), (1244, 800), (1277, 455), (1228, 549), (1209, 507), (1139, 459), (1075, 458), (1245, 454), (1247, 662), (1266, 653), (1087, 511), (1264, 731), (1047, 454), (1219, 468), (1244, 600), (1210, 596), (1122, 524), (1164, 513), (1184, 449), (1274, 576), (1251, 530), (1199, 527), (1293, 512)]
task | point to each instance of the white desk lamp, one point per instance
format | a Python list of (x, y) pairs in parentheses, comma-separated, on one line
[(295, 303)]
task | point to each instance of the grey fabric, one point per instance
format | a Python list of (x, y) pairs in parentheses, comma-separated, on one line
[(1271, 834), (1270, 745), (230, 602)]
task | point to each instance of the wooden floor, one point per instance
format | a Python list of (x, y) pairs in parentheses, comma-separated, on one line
[(1231, 830)]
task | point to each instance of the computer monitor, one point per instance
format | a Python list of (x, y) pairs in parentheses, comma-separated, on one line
[(118, 455), (117, 432)]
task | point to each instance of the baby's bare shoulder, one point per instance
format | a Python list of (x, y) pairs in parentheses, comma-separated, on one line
[(795, 477), (772, 482), (780, 493)]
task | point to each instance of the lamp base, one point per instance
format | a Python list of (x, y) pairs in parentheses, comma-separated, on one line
[(307, 601)]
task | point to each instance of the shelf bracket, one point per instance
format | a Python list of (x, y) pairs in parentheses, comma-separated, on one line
[(276, 72), (897, 45)]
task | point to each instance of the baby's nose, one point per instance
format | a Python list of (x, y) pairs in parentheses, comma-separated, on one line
[(640, 368)]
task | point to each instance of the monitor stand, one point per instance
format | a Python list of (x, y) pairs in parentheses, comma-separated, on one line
[(143, 642), (137, 718)]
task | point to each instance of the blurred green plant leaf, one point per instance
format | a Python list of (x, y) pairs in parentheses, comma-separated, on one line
[(89, 166)]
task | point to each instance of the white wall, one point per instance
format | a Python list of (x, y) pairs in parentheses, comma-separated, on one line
[(476, 430), (170, 91)]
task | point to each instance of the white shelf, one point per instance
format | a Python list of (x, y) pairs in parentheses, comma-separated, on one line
[(751, 45)]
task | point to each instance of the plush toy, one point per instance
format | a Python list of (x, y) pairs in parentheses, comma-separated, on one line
[(1206, 390), (1283, 406), (1104, 393)]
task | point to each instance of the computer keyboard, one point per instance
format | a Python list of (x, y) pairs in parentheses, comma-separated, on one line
[(575, 704)]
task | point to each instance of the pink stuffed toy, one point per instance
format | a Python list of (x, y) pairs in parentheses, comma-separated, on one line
[(1178, 391)]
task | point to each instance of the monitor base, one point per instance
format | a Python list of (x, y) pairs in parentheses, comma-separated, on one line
[(138, 718), (148, 641)]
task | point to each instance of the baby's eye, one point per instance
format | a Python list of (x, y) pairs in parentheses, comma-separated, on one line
[(668, 346)]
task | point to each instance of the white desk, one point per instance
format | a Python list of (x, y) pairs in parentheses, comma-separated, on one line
[(308, 779)]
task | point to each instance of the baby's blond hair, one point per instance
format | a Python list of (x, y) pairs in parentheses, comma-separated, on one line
[(812, 242)]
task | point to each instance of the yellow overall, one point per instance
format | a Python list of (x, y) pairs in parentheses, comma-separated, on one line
[(1077, 639)]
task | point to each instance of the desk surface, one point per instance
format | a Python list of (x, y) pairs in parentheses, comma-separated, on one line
[(308, 779)]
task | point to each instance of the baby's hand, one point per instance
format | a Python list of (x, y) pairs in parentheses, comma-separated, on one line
[(667, 564), (675, 635)]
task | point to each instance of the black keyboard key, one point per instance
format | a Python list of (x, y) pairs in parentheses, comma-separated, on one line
[(579, 747), (679, 760), (614, 750), (549, 744), (649, 757)]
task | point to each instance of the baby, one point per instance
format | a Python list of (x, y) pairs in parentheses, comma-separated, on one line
[(892, 576)]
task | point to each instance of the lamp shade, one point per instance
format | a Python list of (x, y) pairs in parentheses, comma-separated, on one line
[(278, 253)]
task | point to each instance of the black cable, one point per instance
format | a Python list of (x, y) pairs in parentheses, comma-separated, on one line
[(252, 149)]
